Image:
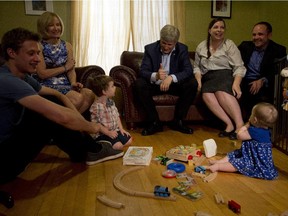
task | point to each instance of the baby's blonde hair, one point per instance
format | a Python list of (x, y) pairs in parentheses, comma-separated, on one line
[(265, 113)]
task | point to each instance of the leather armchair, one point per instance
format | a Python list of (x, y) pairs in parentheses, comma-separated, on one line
[(124, 76), (83, 73)]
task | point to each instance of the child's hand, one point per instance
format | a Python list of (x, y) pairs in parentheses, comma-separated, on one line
[(123, 132), (112, 134), (77, 86)]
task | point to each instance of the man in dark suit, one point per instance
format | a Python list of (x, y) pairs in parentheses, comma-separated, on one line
[(259, 56), (166, 69)]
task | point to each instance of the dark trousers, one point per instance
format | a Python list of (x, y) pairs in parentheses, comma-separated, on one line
[(31, 135), (247, 100), (186, 90)]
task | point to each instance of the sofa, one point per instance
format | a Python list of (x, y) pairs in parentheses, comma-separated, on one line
[(124, 76)]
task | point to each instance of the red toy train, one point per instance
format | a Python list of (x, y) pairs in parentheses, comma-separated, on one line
[(235, 207)]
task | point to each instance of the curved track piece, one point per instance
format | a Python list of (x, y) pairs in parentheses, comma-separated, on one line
[(120, 187), (105, 200)]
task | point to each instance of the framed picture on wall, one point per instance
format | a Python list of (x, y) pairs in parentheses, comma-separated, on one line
[(221, 8), (37, 7)]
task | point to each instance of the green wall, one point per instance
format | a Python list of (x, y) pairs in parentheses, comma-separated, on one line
[(244, 15), (198, 14), (12, 15)]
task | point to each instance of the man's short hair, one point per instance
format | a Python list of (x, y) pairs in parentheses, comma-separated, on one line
[(268, 26), (15, 38), (170, 33)]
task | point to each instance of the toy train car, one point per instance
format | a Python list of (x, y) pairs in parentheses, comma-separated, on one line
[(235, 207), (200, 169), (161, 191)]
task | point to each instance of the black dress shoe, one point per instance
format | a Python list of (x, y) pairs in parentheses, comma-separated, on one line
[(152, 129), (6, 199), (232, 135), (179, 126), (224, 133)]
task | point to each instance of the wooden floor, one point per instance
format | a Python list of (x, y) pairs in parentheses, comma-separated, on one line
[(53, 186)]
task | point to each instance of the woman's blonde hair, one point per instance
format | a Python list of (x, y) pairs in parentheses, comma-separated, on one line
[(44, 21)]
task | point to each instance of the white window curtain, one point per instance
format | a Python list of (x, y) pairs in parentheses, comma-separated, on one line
[(103, 29)]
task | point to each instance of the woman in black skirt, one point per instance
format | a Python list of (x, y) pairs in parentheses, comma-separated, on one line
[(219, 70)]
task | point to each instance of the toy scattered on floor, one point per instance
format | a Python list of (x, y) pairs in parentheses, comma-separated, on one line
[(285, 213), (235, 207), (177, 167), (198, 161), (184, 153), (161, 191), (201, 213), (200, 169), (185, 180), (219, 198), (189, 193), (105, 200), (117, 184), (136, 155), (206, 178), (163, 160), (169, 174), (210, 147), (210, 177)]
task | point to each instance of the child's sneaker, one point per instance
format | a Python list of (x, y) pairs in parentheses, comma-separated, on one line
[(106, 153)]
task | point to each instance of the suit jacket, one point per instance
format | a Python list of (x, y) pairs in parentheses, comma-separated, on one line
[(273, 52), (180, 64)]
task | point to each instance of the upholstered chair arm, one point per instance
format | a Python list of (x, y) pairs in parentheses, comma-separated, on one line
[(124, 78), (83, 73)]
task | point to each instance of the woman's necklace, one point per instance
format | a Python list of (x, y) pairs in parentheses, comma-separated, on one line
[(55, 48), (54, 45)]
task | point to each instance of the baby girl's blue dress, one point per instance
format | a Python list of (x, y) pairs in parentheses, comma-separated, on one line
[(55, 56), (254, 158)]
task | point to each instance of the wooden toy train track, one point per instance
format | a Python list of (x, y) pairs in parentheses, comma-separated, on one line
[(120, 187)]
